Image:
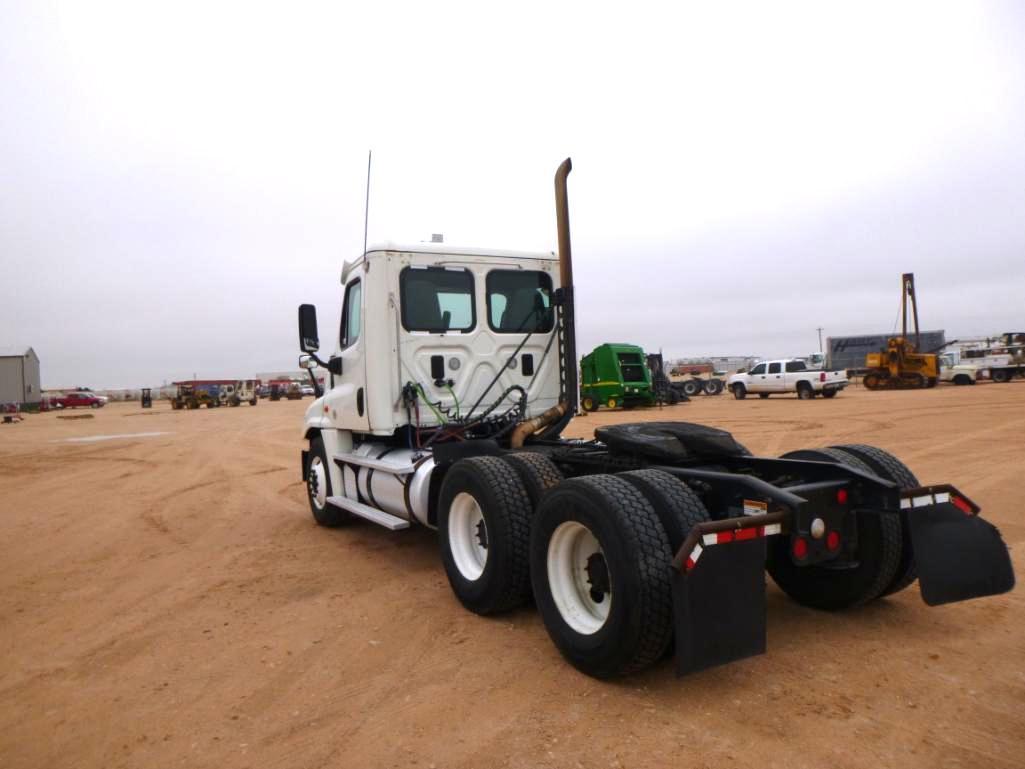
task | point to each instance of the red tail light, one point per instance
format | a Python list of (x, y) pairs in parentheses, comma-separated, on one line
[(841, 496), (800, 549), (960, 504), (822, 377), (833, 541)]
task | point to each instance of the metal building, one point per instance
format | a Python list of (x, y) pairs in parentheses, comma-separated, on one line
[(19, 375)]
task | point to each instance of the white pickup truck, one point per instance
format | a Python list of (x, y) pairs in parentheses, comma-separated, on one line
[(788, 375)]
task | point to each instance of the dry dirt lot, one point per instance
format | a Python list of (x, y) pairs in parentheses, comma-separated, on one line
[(165, 600)]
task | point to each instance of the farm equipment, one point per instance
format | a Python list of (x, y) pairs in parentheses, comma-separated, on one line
[(193, 395), (698, 385), (445, 413), (615, 375), (237, 393), (901, 366), (665, 389)]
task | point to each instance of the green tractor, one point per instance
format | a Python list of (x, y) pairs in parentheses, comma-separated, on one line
[(615, 375)]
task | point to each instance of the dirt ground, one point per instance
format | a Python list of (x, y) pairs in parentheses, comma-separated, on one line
[(166, 600)]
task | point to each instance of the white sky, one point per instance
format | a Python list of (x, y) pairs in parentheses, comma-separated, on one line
[(176, 178)]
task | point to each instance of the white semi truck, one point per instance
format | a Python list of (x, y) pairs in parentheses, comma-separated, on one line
[(450, 383)]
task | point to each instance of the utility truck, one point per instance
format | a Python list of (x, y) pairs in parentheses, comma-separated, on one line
[(786, 376), (450, 384)]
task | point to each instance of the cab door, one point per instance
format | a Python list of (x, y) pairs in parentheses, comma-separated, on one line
[(756, 378), (774, 381), (346, 400)]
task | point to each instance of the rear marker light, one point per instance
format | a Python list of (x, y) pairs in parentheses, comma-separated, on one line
[(841, 496), (960, 504), (800, 548), (833, 541)]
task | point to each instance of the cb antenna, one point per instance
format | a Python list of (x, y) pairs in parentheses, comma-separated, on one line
[(366, 209)]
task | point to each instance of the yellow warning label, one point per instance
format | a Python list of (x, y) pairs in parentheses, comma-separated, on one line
[(755, 507)]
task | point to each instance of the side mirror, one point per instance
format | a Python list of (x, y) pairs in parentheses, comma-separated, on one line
[(309, 340), (307, 362)]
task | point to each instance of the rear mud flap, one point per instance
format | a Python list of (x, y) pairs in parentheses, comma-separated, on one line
[(959, 556), (719, 607)]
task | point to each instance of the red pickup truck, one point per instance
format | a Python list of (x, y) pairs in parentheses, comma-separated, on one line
[(77, 399)]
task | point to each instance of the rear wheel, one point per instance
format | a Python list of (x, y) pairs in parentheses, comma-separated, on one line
[(600, 567), (678, 508), (999, 375), (829, 393), (589, 403), (484, 532), (739, 391), (318, 488), (888, 466), (537, 472), (611, 403), (841, 586), (692, 387)]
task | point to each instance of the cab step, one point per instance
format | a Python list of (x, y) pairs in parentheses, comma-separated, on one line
[(381, 518)]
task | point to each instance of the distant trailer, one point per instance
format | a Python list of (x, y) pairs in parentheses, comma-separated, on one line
[(847, 353)]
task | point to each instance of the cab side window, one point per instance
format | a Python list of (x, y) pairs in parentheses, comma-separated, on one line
[(759, 369), (796, 365), (351, 314), (774, 368)]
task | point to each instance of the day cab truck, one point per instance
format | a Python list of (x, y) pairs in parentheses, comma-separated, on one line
[(786, 376), (451, 380), (614, 375)]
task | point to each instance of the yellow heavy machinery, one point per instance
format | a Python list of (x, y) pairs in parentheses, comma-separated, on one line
[(901, 366)]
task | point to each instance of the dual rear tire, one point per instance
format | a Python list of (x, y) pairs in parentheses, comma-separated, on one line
[(594, 552)]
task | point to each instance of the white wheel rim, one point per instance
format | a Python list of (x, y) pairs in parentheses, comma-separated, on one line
[(569, 549), (317, 482), (467, 536)]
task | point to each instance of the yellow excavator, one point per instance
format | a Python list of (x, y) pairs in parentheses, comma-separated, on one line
[(901, 366)]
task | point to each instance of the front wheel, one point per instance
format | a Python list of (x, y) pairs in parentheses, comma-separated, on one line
[(739, 391), (588, 403), (318, 488), (763, 396), (484, 517), (805, 392), (600, 567)]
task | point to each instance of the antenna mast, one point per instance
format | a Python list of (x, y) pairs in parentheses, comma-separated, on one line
[(366, 210)]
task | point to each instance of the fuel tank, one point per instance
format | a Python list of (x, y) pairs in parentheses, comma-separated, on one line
[(398, 483)]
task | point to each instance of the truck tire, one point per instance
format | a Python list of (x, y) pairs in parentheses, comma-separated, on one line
[(805, 391), (611, 403), (831, 589), (318, 488), (692, 387), (763, 396), (712, 387), (883, 463), (484, 533), (601, 571), (678, 508), (829, 393), (739, 391), (962, 379), (1001, 375), (537, 472)]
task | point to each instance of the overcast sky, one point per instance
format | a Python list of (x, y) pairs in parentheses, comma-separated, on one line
[(177, 177)]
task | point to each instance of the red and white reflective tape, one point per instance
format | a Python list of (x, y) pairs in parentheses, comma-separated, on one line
[(925, 500), (733, 535)]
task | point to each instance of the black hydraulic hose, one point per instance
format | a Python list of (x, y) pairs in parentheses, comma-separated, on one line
[(506, 364)]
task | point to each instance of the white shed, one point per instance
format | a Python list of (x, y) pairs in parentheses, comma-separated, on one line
[(19, 375)]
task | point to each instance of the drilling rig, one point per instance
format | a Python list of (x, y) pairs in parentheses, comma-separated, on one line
[(901, 366)]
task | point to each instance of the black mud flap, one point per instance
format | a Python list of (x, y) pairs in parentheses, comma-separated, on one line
[(305, 463), (719, 606), (959, 556)]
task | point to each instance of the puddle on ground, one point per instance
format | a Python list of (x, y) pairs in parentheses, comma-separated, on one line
[(98, 438)]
